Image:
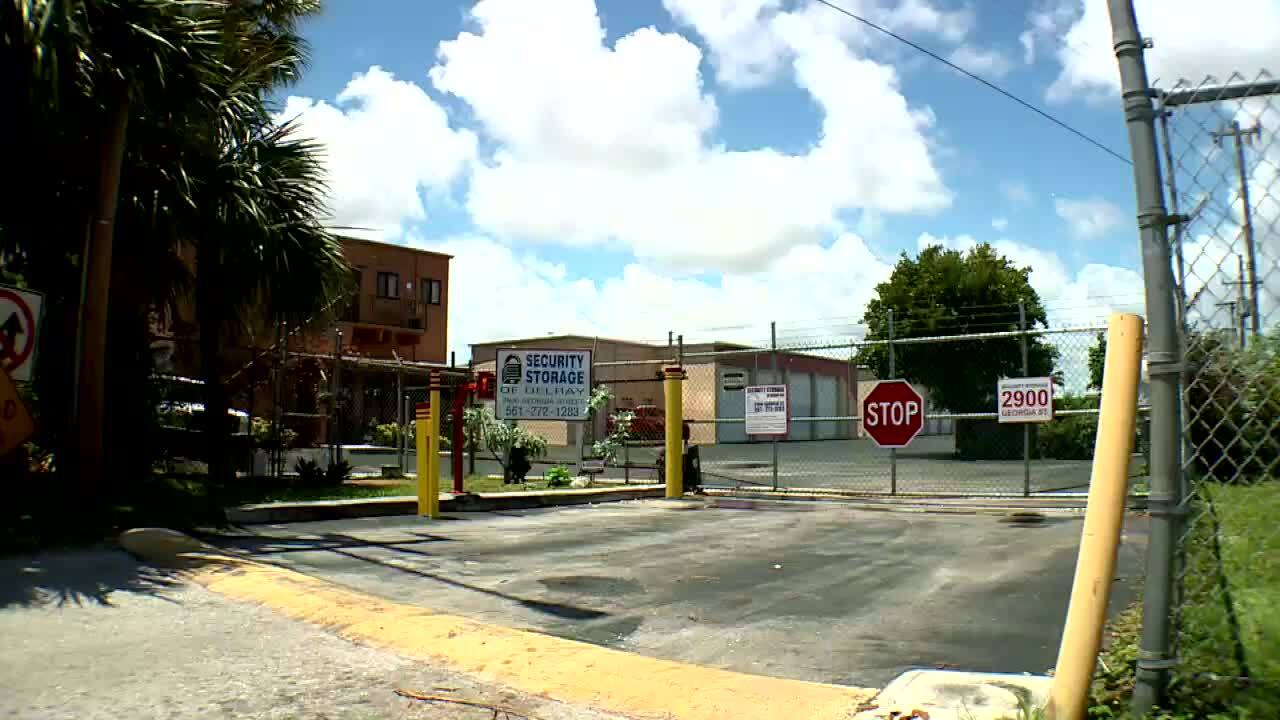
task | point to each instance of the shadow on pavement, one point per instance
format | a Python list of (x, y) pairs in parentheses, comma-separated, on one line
[(263, 547), (77, 577)]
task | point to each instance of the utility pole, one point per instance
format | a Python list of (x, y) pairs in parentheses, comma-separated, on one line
[(1241, 136), (1239, 310)]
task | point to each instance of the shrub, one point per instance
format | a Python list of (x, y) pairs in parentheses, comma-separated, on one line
[(558, 476), (265, 435), (387, 434), (1068, 438), (988, 440), (337, 473), (311, 475), (1232, 397)]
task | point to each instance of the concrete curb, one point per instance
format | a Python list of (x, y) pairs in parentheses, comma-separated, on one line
[(956, 695), (915, 504), (272, 513), (566, 670)]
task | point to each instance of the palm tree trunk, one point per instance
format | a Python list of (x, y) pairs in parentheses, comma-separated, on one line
[(89, 409), (212, 320)]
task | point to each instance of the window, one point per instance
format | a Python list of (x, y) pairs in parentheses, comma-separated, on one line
[(430, 291), (388, 285)]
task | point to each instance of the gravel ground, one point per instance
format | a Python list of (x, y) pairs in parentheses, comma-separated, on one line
[(93, 634)]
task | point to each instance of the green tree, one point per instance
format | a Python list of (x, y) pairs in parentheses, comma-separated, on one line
[(949, 292), (1097, 361)]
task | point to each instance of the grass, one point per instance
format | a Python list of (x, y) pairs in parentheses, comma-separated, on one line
[(41, 514), (1231, 618), (342, 492), (1230, 657), (487, 484)]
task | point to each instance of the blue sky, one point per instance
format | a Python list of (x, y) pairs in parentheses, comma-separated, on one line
[(567, 174)]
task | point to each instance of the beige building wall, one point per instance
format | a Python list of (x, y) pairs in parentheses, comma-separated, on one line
[(699, 396)]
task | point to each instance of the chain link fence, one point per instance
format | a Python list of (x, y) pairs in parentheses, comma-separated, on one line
[(962, 450), (1222, 172)]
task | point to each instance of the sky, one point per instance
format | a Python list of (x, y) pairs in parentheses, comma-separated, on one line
[(626, 168)]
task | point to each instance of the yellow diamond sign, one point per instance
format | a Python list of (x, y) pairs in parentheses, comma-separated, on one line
[(15, 422)]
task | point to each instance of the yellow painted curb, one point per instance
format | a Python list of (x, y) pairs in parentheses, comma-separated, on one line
[(564, 670)]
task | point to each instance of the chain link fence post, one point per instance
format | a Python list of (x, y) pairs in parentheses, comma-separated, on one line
[(1164, 359), (1026, 427), (893, 373), (777, 378)]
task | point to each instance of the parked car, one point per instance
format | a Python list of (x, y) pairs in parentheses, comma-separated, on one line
[(648, 426)]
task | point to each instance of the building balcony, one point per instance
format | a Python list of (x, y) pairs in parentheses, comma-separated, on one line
[(387, 312)]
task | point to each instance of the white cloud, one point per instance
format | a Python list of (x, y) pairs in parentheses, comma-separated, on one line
[(1193, 40), (923, 16), (499, 293), (1000, 224), (989, 63), (747, 52), (1088, 218), (600, 144), (385, 141), (743, 49), (1016, 192), (1027, 40)]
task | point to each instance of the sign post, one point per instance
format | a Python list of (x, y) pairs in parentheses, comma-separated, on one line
[(893, 413), (19, 331), (536, 384), (1025, 400)]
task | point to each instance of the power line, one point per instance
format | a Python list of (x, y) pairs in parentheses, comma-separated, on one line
[(980, 79)]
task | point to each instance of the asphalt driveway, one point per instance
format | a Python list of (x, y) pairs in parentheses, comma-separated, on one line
[(808, 591)]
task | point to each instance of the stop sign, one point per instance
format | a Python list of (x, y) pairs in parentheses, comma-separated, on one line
[(893, 413)]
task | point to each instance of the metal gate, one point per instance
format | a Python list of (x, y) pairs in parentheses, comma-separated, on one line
[(961, 451)]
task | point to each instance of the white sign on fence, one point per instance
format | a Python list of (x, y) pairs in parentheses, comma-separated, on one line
[(1023, 400), (535, 384), (766, 411)]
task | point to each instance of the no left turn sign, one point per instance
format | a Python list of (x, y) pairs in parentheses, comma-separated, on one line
[(19, 331)]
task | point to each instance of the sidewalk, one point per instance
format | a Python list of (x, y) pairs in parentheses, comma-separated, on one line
[(93, 634)]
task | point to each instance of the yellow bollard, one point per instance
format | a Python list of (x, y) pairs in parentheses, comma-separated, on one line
[(422, 427), (673, 380), (1103, 520), (433, 452)]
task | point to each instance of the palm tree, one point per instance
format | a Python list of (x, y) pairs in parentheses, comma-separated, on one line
[(205, 167), (81, 67), (263, 258)]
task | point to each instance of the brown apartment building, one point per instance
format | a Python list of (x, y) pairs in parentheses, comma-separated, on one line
[(398, 317), (401, 304)]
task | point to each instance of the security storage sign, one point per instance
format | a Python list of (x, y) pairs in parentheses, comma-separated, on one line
[(543, 384), (1023, 400), (766, 411)]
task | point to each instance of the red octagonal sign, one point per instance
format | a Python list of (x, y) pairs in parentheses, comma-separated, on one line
[(893, 413)]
